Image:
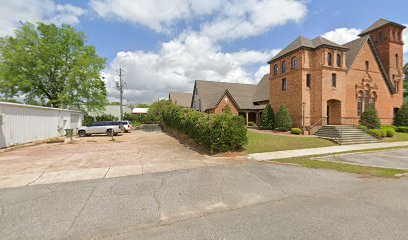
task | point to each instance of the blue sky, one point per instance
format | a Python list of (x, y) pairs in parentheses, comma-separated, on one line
[(165, 45)]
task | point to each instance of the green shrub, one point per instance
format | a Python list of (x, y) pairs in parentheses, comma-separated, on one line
[(389, 127), (402, 129), (363, 128), (378, 133), (401, 118), (296, 131), (389, 132), (283, 121), (251, 124), (370, 118), (218, 133), (267, 119)]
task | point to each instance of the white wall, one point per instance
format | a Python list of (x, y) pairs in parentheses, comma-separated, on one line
[(20, 123)]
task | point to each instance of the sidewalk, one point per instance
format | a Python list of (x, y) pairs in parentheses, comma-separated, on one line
[(325, 150)]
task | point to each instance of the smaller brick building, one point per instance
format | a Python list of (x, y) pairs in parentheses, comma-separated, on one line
[(322, 82), (247, 100)]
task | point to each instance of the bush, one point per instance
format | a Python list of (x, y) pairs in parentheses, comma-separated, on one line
[(283, 121), (218, 133), (401, 118), (389, 132), (378, 133), (370, 118), (402, 129), (267, 119), (251, 124), (296, 131), (363, 128)]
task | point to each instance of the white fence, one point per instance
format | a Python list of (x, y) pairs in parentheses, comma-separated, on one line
[(20, 123)]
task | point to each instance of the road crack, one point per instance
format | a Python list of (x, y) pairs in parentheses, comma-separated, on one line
[(35, 179), (80, 211)]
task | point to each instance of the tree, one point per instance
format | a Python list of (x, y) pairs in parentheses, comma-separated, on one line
[(283, 121), (142, 105), (405, 83), (267, 119), (369, 118), (52, 65), (227, 109), (401, 118)]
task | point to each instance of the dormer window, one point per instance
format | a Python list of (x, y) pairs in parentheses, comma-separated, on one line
[(284, 67), (338, 60), (275, 69), (329, 59)]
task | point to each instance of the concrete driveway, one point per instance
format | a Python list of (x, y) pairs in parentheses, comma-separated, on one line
[(397, 158), (138, 152)]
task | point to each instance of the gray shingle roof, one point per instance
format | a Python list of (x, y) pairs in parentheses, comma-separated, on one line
[(244, 95), (210, 92), (379, 23), (354, 48), (262, 89), (302, 42), (182, 99)]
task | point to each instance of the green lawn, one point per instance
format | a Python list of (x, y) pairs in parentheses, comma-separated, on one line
[(258, 142), (398, 137), (341, 167)]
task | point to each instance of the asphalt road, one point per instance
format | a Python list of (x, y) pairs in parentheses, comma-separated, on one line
[(248, 201)]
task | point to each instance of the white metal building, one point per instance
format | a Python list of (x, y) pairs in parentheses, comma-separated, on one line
[(21, 123)]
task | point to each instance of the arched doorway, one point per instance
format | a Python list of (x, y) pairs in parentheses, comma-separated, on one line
[(334, 112)]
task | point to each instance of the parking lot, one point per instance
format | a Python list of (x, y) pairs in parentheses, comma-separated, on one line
[(95, 157)]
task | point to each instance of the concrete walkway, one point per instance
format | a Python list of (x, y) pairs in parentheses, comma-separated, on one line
[(324, 150)]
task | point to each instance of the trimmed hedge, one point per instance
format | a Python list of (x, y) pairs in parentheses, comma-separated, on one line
[(296, 131), (402, 129), (378, 133), (218, 133), (389, 130)]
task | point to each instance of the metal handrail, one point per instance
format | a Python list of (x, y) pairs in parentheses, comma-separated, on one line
[(315, 124)]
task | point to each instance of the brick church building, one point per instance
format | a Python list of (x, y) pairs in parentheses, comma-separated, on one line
[(320, 81)]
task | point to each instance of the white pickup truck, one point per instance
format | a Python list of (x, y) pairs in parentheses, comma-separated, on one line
[(101, 128)]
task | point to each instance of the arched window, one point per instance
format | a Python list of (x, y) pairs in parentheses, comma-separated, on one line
[(329, 59), (293, 63), (359, 104), (373, 98), (338, 60), (367, 65), (396, 60), (275, 69), (283, 66)]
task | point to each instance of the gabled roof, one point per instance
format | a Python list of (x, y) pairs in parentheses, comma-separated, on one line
[(262, 89), (182, 99), (379, 23), (210, 92), (354, 50), (354, 47), (231, 98), (302, 42)]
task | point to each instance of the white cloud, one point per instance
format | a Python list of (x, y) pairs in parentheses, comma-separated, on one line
[(16, 11), (405, 39), (177, 64), (228, 19), (342, 35)]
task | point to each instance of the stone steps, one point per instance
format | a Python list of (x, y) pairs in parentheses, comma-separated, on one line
[(345, 134)]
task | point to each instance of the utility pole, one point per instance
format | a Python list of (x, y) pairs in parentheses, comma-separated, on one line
[(119, 86)]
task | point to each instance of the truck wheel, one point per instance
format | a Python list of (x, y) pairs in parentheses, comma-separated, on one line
[(82, 133), (109, 132)]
